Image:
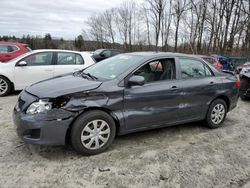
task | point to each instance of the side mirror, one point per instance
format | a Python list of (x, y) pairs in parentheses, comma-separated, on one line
[(22, 63), (136, 81), (102, 55)]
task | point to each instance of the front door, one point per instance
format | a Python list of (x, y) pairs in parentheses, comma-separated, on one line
[(38, 67), (156, 102)]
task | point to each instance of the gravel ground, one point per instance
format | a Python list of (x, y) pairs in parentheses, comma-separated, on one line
[(189, 155)]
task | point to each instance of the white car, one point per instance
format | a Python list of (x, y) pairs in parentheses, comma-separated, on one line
[(40, 65)]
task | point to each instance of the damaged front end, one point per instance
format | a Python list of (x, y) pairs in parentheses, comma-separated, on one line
[(42, 121), (46, 121)]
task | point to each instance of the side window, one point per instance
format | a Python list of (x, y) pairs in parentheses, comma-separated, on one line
[(44, 58), (12, 48), (64, 58), (115, 53), (79, 60), (163, 69), (3, 49), (106, 53), (191, 68)]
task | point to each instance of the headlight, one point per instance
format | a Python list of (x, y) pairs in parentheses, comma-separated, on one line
[(40, 106)]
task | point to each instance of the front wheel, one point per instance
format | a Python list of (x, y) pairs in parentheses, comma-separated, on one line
[(93, 132), (216, 113)]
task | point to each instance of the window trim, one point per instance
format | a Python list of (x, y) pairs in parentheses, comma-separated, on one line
[(201, 61), (52, 59), (56, 58)]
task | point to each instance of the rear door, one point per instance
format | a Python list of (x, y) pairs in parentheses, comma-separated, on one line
[(39, 67), (199, 87), (66, 62)]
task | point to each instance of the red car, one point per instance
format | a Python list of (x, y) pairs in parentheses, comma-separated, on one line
[(212, 61), (11, 50)]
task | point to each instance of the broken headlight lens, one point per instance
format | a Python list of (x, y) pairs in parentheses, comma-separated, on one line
[(40, 106)]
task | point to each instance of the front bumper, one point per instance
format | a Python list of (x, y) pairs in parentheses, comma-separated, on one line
[(42, 132), (48, 128)]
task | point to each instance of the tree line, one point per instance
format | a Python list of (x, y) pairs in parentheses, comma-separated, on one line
[(39, 42), (191, 26), (49, 42)]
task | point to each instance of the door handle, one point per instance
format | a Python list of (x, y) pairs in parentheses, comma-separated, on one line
[(48, 70), (174, 88), (211, 83), (76, 69)]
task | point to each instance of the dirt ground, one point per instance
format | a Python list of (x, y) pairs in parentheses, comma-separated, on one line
[(188, 155)]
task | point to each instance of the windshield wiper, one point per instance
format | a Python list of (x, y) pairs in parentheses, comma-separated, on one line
[(89, 75)]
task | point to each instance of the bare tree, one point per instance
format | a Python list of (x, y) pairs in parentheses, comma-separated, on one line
[(156, 9), (179, 8), (200, 26), (109, 24), (96, 29)]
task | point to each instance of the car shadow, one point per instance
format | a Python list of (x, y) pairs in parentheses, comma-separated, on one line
[(123, 143)]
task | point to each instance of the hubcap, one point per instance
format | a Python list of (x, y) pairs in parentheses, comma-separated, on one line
[(3, 86), (218, 114), (95, 134)]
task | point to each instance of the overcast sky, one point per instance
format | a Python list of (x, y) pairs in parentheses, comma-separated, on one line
[(61, 18)]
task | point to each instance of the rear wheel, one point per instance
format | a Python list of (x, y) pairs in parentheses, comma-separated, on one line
[(93, 132), (244, 85), (216, 113), (5, 86)]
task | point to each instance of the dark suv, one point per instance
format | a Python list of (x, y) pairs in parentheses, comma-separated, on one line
[(124, 94), (102, 54)]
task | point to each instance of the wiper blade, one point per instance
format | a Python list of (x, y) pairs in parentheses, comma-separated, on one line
[(89, 75)]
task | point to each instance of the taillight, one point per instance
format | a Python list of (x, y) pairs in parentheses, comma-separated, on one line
[(237, 83)]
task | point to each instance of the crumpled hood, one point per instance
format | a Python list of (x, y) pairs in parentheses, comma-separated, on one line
[(62, 85)]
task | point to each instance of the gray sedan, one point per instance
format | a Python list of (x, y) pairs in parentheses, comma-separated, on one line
[(124, 94)]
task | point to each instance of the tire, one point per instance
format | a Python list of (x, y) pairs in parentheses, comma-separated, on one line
[(217, 110), (5, 86), (244, 84), (84, 136)]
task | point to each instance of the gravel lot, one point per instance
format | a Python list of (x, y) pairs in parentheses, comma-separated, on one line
[(188, 155)]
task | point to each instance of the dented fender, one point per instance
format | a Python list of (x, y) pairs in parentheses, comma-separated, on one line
[(110, 101)]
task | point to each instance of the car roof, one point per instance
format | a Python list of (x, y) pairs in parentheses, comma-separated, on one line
[(12, 43), (56, 50), (160, 54), (205, 56), (109, 49)]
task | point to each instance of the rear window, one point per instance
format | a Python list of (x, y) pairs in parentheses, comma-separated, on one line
[(12, 48)]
